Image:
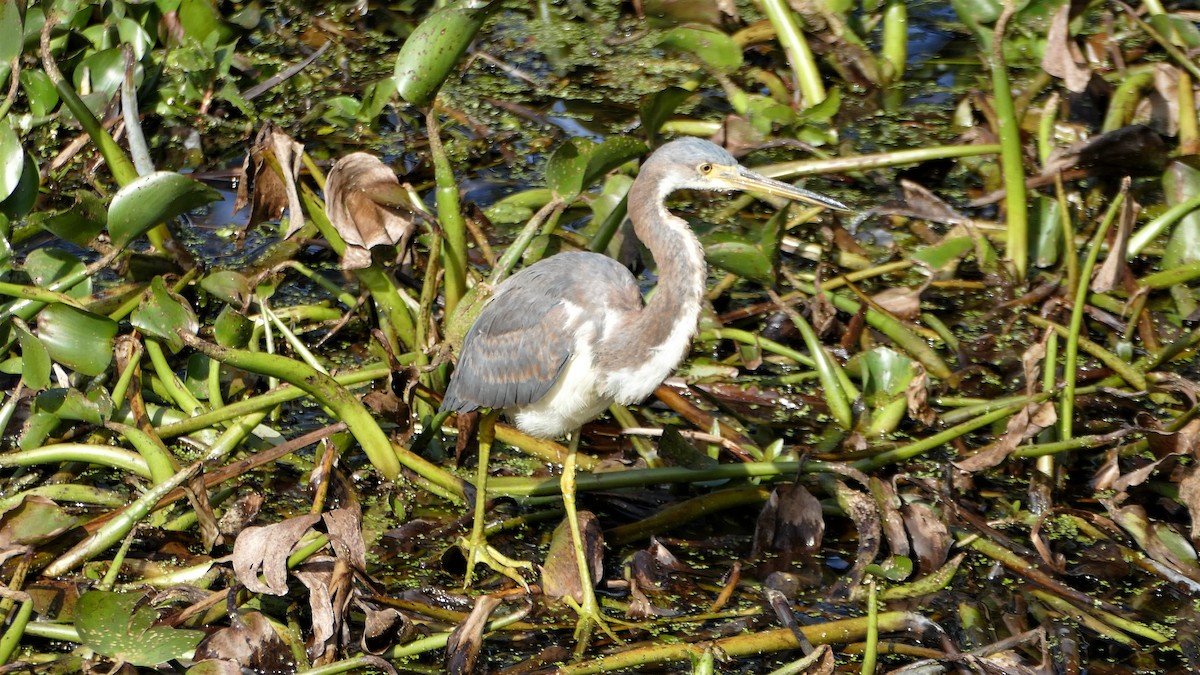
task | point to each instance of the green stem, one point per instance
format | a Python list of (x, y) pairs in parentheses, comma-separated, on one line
[(449, 211), (384, 456), (895, 40), (804, 66), (1009, 131), (1071, 355)]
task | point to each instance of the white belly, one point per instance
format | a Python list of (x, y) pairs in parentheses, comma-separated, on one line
[(575, 399)]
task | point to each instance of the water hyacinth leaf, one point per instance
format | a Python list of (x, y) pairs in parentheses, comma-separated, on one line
[(886, 376), (121, 627), (941, 256), (79, 340), (72, 404), (164, 315), (34, 520), (11, 34), (368, 207), (1181, 182), (713, 47), (37, 428), (433, 49), (24, 196), (35, 360), (78, 224), (658, 107), (48, 265), (153, 199), (232, 328), (199, 18), (228, 286), (566, 167), (611, 154), (39, 91), (104, 71), (12, 159), (736, 254)]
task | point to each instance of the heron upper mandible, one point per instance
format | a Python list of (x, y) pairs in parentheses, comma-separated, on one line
[(565, 338)]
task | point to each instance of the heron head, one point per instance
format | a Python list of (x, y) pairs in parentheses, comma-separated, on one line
[(696, 164)]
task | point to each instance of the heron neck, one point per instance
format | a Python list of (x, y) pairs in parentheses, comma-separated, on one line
[(675, 304)]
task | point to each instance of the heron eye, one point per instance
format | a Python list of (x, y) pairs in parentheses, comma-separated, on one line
[(706, 168)]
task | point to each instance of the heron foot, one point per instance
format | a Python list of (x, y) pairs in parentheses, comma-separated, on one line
[(590, 618), (479, 551)]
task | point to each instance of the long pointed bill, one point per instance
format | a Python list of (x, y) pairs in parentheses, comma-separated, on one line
[(741, 178)]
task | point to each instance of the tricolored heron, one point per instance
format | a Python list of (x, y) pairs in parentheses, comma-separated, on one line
[(565, 338)]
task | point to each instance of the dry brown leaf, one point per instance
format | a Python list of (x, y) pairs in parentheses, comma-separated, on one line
[(892, 524), (266, 549), (863, 511), (903, 303), (330, 587), (249, 644), (465, 641), (1108, 276), (790, 525), (1189, 494), (271, 169), (1027, 423), (1062, 58), (917, 396), (930, 536), (560, 574), (368, 207)]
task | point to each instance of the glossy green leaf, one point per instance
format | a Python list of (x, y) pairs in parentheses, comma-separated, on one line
[(34, 520), (21, 201), (578, 162), (713, 47), (35, 360), (12, 159), (199, 18), (658, 107), (740, 256), (47, 265), (11, 32), (940, 256), (71, 404), (229, 286), (432, 50), (164, 315), (232, 328), (1181, 182), (886, 374), (37, 429), (104, 71), (121, 627), (78, 224), (151, 200), (79, 340)]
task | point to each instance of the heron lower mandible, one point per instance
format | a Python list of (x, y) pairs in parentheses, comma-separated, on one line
[(565, 338)]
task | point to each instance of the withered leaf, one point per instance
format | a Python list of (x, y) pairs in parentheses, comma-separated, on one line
[(560, 574), (266, 549), (790, 525), (250, 643), (462, 648), (272, 168), (1062, 57), (368, 207), (1189, 494), (862, 510), (929, 535), (330, 587)]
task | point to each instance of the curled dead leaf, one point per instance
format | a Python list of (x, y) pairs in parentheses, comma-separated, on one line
[(560, 574), (271, 170), (368, 207)]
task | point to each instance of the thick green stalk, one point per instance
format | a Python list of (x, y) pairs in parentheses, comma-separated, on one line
[(449, 211), (1071, 355), (1015, 206), (122, 169), (831, 383), (383, 455), (895, 40), (804, 66)]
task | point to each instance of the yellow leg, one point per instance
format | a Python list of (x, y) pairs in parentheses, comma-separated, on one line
[(476, 547), (590, 616)]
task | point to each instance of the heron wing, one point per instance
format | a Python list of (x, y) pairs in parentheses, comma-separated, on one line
[(517, 348)]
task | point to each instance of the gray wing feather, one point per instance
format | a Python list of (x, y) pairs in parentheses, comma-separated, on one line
[(516, 349)]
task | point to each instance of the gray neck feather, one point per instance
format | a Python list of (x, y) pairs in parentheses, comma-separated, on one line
[(681, 272)]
